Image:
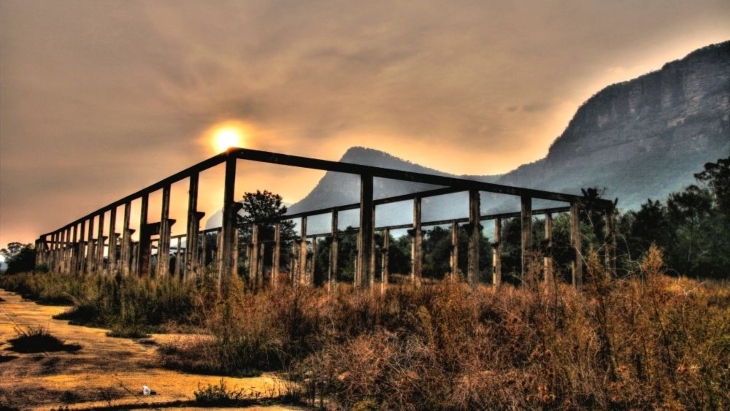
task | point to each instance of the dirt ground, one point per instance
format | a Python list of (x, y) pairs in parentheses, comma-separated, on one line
[(104, 373)]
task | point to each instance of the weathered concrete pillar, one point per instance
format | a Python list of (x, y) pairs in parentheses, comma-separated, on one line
[(126, 254), (178, 258), (229, 232), (276, 255), (100, 246), (332, 270), (145, 250), (81, 258), (417, 244), (294, 263), (575, 238), (193, 229), (203, 251), (112, 253), (163, 248), (73, 263), (365, 234), (303, 253), (312, 261), (548, 259), (386, 260), (610, 217), (454, 258), (64, 250), (497, 253), (253, 268), (526, 224), (475, 234), (90, 255)]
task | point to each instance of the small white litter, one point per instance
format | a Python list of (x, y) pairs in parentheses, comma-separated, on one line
[(146, 390)]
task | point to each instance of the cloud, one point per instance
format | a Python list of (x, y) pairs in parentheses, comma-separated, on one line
[(116, 95)]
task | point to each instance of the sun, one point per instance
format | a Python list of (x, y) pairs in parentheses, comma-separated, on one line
[(228, 137)]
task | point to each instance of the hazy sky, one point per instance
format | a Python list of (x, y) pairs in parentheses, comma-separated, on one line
[(101, 98)]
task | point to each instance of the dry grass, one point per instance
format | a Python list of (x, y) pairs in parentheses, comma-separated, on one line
[(641, 342)]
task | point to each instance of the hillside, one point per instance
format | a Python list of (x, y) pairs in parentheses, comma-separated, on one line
[(639, 139)]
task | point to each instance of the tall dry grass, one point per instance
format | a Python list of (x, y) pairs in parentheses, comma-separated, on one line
[(646, 341)]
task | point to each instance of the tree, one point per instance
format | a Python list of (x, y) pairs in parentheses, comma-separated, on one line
[(19, 257), (264, 209)]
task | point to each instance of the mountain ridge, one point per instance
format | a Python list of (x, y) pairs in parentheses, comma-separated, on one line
[(638, 139)]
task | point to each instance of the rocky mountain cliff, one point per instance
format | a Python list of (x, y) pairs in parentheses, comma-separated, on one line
[(639, 139)]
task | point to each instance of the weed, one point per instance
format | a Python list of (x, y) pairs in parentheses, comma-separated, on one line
[(39, 340)]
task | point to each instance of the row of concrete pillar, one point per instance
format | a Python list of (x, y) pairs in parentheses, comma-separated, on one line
[(76, 249)]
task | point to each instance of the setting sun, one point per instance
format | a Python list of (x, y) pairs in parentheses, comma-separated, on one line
[(225, 135), (226, 138)]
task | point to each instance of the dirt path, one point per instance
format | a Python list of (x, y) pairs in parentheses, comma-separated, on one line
[(104, 372)]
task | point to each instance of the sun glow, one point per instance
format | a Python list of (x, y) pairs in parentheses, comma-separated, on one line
[(225, 135)]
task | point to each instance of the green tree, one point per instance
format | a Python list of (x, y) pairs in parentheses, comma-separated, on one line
[(19, 257)]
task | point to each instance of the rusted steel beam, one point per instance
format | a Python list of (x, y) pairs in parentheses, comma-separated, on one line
[(575, 239), (497, 253), (475, 234), (526, 225), (417, 244), (366, 233)]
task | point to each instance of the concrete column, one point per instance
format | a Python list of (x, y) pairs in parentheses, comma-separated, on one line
[(294, 263), (178, 256), (191, 239), (386, 260), (204, 250), (365, 234), (312, 261), (475, 234), (454, 260), (126, 254), (303, 253), (332, 271), (575, 238), (276, 257), (90, 255), (81, 258), (497, 253), (73, 269), (144, 253), (253, 268), (230, 209), (100, 246), (526, 224), (549, 263), (610, 217), (112, 254), (163, 247), (417, 244)]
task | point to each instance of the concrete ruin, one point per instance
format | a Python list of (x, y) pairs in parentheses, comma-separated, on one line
[(75, 249)]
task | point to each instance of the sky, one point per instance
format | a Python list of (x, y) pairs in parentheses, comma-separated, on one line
[(100, 98)]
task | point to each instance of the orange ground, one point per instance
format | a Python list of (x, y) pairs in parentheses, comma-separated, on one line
[(104, 372)]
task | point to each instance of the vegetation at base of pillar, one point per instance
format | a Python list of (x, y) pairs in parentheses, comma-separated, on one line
[(19, 257)]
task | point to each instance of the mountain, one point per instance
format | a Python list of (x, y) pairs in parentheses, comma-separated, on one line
[(639, 139)]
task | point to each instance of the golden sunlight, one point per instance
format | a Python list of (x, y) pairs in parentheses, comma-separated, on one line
[(226, 138), (223, 136)]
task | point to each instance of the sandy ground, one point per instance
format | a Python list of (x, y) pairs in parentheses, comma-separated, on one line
[(105, 372)]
